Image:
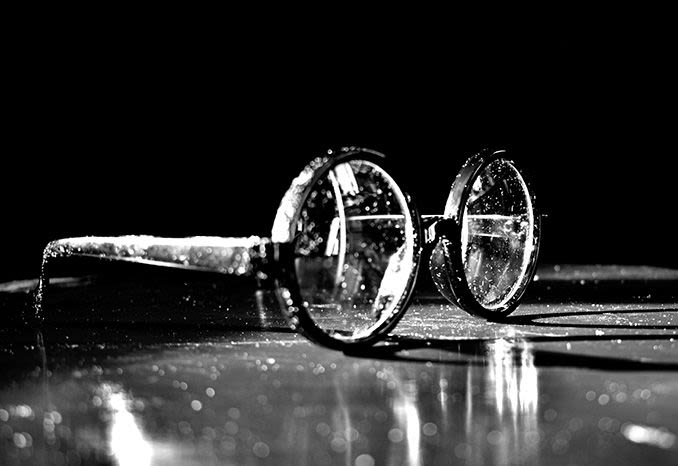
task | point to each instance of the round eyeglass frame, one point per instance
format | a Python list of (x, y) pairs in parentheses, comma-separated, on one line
[(283, 234), (446, 261)]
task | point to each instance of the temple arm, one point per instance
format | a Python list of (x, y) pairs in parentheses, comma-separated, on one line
[(211, 253)]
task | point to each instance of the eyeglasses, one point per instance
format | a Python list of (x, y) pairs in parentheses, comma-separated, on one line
[(347, 243)]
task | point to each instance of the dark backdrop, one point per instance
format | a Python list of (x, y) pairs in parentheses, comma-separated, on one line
[(199, 131)]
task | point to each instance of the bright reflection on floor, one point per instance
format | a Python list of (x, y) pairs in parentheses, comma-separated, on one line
[(127, 443), (343, 425), (349, 428), (649, 435), (492, 412), (514, 376), (513, 388), (406, 416)]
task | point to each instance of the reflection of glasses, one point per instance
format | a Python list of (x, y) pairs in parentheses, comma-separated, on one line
[(346, 242)]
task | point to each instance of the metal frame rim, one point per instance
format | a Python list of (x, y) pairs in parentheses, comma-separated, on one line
[(286, 283), (453, 262)]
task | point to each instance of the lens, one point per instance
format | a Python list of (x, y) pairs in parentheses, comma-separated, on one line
[(354, 249), (497, 234)]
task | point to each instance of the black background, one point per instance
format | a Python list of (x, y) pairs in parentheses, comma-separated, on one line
[(197, 129)]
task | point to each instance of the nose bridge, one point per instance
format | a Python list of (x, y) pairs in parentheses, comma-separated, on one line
[(428, 224), (435, 227)]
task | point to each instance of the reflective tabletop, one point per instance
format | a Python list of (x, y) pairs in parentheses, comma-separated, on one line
[(175, 368)]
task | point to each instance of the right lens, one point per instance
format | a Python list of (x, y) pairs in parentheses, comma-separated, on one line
[(487, 242), (497, 229), (354, 249)]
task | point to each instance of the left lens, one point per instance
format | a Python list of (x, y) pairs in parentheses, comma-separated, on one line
[(354, 250)]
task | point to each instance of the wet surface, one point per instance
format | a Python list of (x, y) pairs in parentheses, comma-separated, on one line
[(174, 370)]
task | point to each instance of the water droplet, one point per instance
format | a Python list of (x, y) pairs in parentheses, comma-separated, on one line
[(261, 450), (364, 460)]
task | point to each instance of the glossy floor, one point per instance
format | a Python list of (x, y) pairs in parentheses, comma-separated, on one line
[(585, 372)]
